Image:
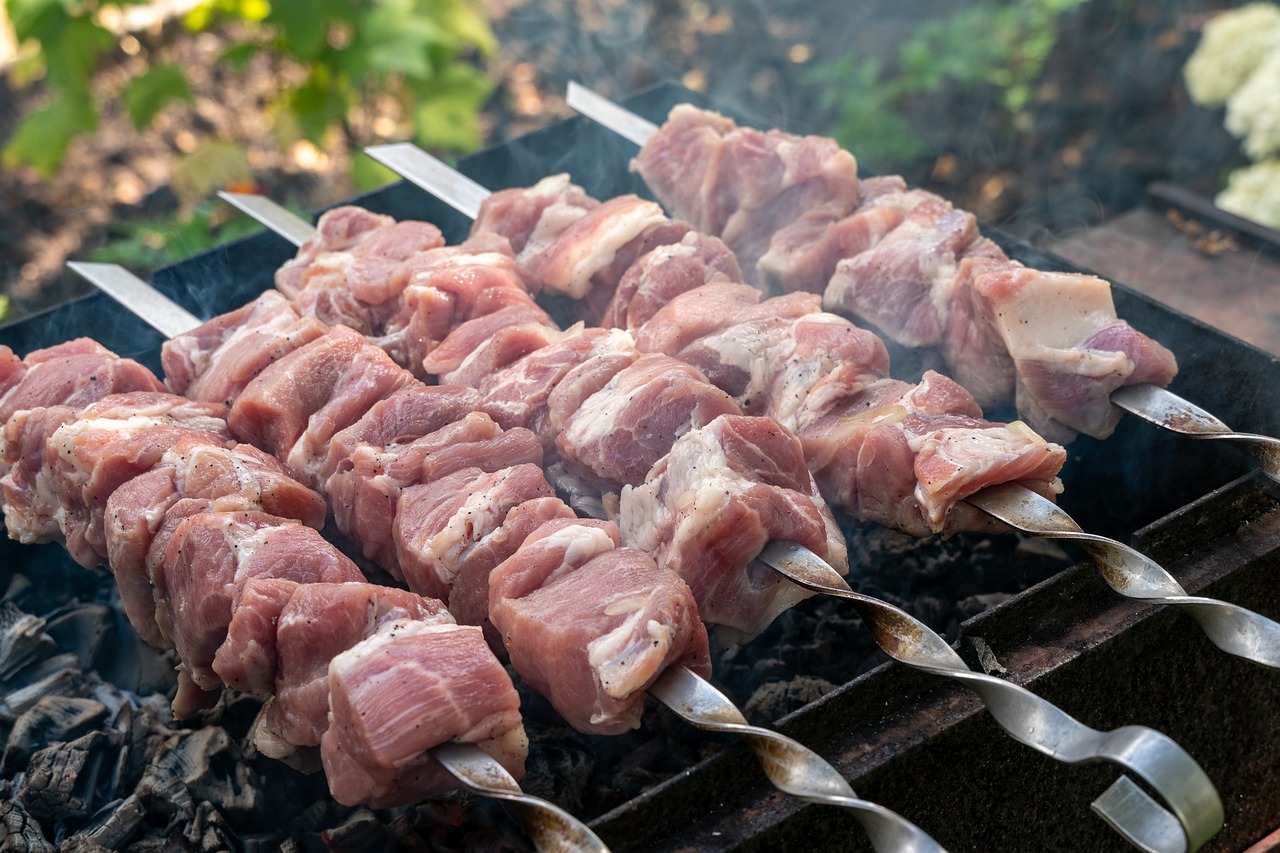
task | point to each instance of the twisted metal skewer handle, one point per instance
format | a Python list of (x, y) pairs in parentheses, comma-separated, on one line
[(1196, 808), (553, 829), (1169, 411), (1131, 573), (792, 767)]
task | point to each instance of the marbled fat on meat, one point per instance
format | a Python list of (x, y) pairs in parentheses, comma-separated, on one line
[(713, 503), (407, 688), (206, 562), (535, 217), (223, 479), (629, 424), (293, 408), (1069, 349), (216, 360), (591, 625)]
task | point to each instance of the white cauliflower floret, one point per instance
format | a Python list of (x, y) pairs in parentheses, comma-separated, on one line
[(1253, 112), (1233, 45), (1254, 193)]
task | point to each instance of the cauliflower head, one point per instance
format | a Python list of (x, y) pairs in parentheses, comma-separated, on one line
[(1233, 45), (1254, 193)]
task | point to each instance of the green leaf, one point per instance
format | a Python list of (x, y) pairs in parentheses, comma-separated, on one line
[(444, 117), (150, 92), (368, 174), (40, 140), (303, 26), (238, 56), (317, 104), (399, 42), (467, 20), (73, 54)]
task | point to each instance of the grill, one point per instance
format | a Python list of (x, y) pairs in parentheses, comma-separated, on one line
[(918, 745)]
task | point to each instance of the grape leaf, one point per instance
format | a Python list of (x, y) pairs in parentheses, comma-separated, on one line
[(444, 114), (40, 140), (148, 93)]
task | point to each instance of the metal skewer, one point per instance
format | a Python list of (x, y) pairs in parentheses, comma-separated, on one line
[(1197, 809), (1231, 628), (792, 767), (552, 828), (1149, 402)]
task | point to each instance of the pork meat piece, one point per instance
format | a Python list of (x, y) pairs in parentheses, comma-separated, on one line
[(972, 344), (905, 455), (590, 245), (87, 457), (532, 218), (570, 369), (803, 254), (317, 623), (216, 360), (293, 408), (249, 657), (412, 412), (749, 184), (228, 478), (365, 489), (525, 321), (447, 287), (208, 559), (353, 271), (771, 365), (74, 374), (448, 532), (591, 625), (903, 284), (658, 276), (623, 429), (710, 506), (714, 307), (407, 688), (1069, 348)]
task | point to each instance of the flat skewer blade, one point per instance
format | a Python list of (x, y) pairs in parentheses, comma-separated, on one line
[(279, 219), (435, 176), (600, 109), (156, 310)]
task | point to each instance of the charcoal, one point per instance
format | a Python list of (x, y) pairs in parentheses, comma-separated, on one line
[(18, 832), (80, 629), (51, 719), (361, 830), (208, 831), (22, 640), (183, 759), (62, 779), (59, 674), (109, 829), (779, 698)]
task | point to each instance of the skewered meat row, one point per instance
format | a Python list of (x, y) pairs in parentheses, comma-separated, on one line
[(440, 495), (907, 261), (623, 413), (887, 451), (154, 485), (622, 247)]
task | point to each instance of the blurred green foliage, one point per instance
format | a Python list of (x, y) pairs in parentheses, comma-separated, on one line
[(144, 246), (423, 53), (1000, 44)]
